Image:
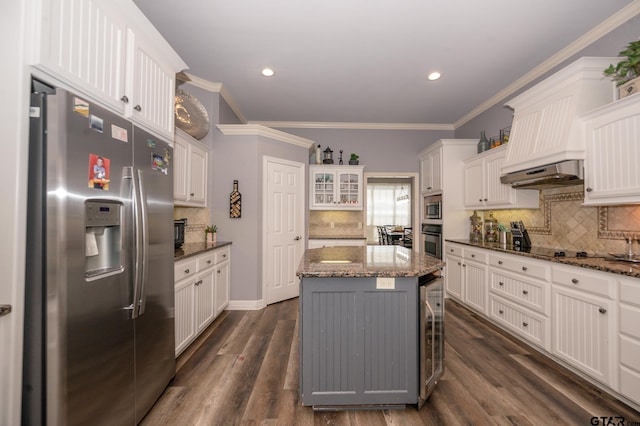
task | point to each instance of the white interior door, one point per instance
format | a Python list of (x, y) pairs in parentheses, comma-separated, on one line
[(284, 226)]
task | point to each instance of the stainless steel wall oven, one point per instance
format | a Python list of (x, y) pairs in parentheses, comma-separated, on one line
[(432, 239)]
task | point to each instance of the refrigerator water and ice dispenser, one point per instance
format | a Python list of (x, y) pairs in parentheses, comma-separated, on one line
[(103, 239)]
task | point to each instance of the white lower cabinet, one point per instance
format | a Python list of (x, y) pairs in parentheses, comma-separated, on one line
[(466, 277), (201, 293), (520, 296), (584, 314), (628, 367)]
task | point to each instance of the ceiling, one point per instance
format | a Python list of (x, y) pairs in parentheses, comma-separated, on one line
[(367, 61)]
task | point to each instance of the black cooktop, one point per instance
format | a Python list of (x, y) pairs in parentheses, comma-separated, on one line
[(550, 252)]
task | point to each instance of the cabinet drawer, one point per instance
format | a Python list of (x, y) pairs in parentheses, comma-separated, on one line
[(455, 250), (630, 292), (575, 278), (528, 293), (529, 325), (222, 254), (475, 255), (206, 260), (630, 384), (521, 265), (629, 320), (184, 269), (630, 353)]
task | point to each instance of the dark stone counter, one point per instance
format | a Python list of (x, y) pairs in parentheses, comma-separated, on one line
[(192, 249)]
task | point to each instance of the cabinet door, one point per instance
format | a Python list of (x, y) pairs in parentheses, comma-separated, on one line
[(436, 170), (222, 287), (185, 328), (323, 185), (83, 43), (474, 194), (198, 159), (582, 331), (180, 169), (475, 285), (349, 189), (454, 276), (152, 89), (497, 193), (204, 299), (612, 174)]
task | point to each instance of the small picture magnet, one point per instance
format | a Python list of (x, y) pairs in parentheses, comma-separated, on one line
[(158, 163), (81, 106), (96, 123), (99, 172), (151, 143), (119, 133)]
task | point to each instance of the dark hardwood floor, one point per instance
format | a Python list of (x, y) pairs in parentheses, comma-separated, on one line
[(243, 370)]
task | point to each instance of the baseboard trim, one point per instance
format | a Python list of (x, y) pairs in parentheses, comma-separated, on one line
[(246, 305)]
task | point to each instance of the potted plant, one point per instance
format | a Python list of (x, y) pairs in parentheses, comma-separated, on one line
[(353, 160), (626, 73), (211, 229)]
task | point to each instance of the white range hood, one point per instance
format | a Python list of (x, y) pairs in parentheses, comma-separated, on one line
[(546, 126)]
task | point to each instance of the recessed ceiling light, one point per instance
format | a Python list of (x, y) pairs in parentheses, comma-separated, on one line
[(268, 72), (434, 75)]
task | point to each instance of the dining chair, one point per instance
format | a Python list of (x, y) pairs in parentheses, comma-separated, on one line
[(407, 237)]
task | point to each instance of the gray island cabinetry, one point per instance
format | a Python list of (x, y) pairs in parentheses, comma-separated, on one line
[(365, 337)]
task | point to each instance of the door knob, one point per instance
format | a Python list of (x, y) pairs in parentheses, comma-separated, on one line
[(5, 310), (297, 238)]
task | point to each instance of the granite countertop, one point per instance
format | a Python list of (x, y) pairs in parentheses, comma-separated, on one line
[(192, 249), (336, 237), (595, 261), (367, 261)]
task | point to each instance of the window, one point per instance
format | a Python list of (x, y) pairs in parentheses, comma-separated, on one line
[(383, 206)]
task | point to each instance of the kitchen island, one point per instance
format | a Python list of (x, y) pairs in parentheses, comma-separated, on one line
[(364, 337)]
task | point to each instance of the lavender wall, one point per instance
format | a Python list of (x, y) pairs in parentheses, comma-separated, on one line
[(379, 150)]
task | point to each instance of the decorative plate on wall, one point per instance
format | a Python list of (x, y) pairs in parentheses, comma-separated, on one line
[(191, 116)]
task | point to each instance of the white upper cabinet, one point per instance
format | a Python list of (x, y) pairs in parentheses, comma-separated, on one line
[(190, 159), (109, 52), (335, 187), (431, 170), (483, 189), (612, 175)]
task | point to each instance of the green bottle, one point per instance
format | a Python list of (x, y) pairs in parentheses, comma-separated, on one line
[(483, 143)]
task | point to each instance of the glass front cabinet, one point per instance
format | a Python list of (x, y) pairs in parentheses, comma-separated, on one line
[(335, 187)]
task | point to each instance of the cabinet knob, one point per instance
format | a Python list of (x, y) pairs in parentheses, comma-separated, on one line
[(192, 194), (137, 108), (464, 266), (224, 255), (499, 262), (459, 264), (198, 282), (186, 271), (575, 280), (524, 324), (500, 283), (125, 99), (480, 199), (589, 189), (501, 312), (485, 199), (451, 250), (209, 261), (524, 268), (525, 291), (602, 310), (473, 255), (218, 270)]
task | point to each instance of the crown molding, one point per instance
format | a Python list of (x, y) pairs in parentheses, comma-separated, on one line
[(260, 130), (605, 27), (216, 88), (353, 126)]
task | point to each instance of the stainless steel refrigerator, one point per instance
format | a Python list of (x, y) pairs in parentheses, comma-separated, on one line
[(99, 320)]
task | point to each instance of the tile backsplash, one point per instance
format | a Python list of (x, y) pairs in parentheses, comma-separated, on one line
[(562, 222), (197, 220), (335, 223)]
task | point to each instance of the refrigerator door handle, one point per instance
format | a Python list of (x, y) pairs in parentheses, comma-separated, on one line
[(144, 221), (140, 229)]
